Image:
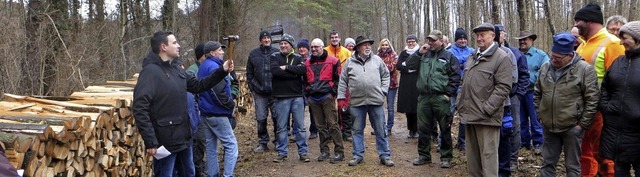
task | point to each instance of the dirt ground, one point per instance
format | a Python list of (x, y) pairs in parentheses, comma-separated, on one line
[(403, 151)]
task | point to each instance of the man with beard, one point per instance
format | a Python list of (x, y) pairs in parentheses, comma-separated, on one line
[(438, 79), (259, 78), (322, 87), (530, 129), (600, 49), (367, 77)]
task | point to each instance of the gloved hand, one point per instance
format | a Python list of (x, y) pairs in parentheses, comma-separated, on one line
[(343, 105)]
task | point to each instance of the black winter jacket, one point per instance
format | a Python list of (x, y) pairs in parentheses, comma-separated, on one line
[(619, 103), (259, 69), (287, 83), (160, 104)]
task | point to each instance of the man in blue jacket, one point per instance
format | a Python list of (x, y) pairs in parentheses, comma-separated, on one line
[(529, 119), (160, 104), (216, 106), (461, 51), (517, 91)]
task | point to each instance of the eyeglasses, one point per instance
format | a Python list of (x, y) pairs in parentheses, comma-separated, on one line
[(316, 46), (556, 57), (411, 41)]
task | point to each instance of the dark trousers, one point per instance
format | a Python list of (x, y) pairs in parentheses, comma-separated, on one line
[(199, 149), (327, 122), (412, 122), (554, 143), (438, 108), (623, 169), (504, 148), (346, 121)]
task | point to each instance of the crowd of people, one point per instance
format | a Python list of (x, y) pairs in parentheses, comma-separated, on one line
[(577, 99)]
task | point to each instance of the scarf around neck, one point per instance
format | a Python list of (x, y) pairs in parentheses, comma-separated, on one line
[(413, 50)]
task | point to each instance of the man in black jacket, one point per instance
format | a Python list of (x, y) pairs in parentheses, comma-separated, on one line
[(160, 104), (259, 77), (287, 69)]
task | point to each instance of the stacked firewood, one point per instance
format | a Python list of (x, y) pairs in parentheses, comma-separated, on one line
[(90, 133)]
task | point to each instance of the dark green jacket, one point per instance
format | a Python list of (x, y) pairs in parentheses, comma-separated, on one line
[(568, 99), (438, 72)]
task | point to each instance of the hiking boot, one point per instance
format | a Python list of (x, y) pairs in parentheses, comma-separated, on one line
[(337, 158), (421, 161), (279, 158), (387, 162), (313, 136), (412, 135), (355, 161), (261, 148), (323, 156), (292, 139), (304, 158), (445, 164)]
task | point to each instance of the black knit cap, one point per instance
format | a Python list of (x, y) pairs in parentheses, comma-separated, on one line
[(264, 33), (198, 50), (460, 33), (592, 12)]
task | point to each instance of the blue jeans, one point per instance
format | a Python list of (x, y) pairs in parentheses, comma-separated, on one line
[(376, 118), (285, 107), (220, 128), (529, 120), (181, 160), (391, 107), (264, 103), (313, 129)]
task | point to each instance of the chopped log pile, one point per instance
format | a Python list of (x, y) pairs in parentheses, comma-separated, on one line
[(90, 133)]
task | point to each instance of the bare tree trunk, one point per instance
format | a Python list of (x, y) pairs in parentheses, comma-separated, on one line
[(633, 10), (523, 14), (168, 15), (99, 4), (32, 63), (205, 19), (495, 12), (549, 17)]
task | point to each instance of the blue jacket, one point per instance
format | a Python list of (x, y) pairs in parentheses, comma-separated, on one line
[(523, 73), (218, 100), (535, 59), (461, 53)]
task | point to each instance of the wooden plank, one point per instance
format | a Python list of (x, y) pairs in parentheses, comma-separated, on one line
[(22, 107), (71, 106)]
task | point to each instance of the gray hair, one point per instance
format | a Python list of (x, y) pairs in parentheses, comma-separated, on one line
[(616, 18)]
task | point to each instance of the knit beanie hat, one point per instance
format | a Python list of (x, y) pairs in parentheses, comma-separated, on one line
[(563, 43), (349, 41), (198, 50), (289, 39), (303, 43), (632, 29), (592, 12), (412, 36), (460, 33), (264, 33)]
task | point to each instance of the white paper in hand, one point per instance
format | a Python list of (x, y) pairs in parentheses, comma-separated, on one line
[(161, 153)]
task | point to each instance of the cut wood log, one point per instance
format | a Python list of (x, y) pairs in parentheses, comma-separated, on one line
[(70, 106), (22, 107)]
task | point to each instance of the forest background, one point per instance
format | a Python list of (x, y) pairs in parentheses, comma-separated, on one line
[(56, 47)]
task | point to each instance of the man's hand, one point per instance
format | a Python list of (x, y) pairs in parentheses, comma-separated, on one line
[(228, 66), (342, 104), (579, 127), (447, 97), (283, 67), (424, 48), (152, 151)]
